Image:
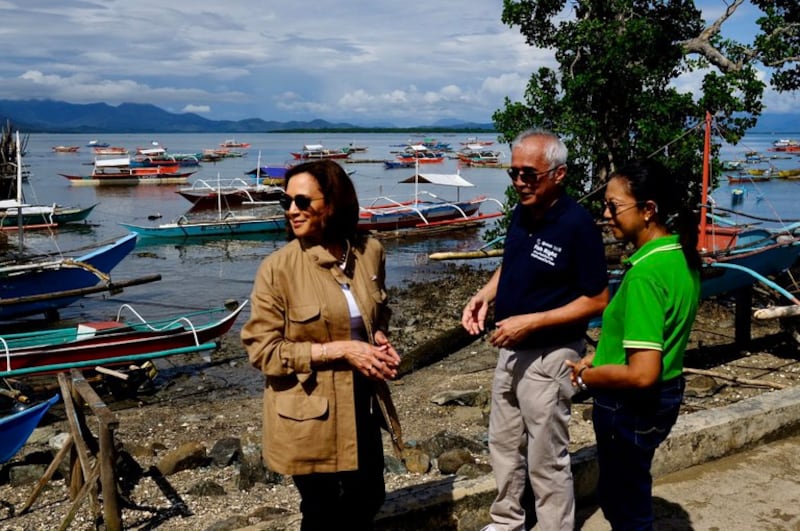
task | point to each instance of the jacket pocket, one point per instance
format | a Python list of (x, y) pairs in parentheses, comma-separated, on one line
[(298, 407), (305, 323)]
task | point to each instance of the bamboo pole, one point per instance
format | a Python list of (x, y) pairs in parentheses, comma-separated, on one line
[(81, 291)]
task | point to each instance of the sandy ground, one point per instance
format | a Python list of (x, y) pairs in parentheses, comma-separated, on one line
[(192, 401)]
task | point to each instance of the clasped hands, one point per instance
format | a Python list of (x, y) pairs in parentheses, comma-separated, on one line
[(377, 362)]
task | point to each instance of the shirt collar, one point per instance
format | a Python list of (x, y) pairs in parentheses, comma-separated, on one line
[(658, 245)]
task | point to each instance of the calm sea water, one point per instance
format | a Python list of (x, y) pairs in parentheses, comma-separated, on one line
[(203, 275)]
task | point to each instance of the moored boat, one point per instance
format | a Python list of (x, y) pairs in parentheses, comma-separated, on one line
[(65, 149), (112, 342), (227, 192), (424, 209), (114, 175), (318, 151)]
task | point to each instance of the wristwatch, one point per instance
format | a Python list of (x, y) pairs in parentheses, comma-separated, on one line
[(579, 379)]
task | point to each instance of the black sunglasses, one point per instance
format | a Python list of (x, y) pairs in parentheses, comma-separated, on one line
[(528, 174), (614, 208), (302, 201)]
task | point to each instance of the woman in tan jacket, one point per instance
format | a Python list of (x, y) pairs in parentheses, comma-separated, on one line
[(317, 332)]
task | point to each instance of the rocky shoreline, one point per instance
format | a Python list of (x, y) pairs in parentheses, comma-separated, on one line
[(197, 429)]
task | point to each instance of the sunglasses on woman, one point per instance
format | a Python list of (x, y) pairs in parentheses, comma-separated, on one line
[(614, 209), (303, 202)]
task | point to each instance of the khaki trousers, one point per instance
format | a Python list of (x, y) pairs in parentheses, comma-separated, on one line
[(529, 436)]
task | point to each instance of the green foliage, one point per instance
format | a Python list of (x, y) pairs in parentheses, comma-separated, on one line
[(612, 97)]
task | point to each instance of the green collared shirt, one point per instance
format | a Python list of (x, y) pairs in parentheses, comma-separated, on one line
[(653, 309)]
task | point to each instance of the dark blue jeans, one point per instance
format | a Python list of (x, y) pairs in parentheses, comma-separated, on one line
[(629, 426)]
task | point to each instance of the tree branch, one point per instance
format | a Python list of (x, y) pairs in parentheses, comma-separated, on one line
[(702, 43)]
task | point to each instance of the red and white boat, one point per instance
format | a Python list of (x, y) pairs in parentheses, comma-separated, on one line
[(113, 172), (65, 149)]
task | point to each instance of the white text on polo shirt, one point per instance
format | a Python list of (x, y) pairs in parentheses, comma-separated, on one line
[(545, 252)]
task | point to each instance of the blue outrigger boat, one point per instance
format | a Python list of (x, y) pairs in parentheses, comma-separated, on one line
[(228, 225), (47, 284), (15, 429)]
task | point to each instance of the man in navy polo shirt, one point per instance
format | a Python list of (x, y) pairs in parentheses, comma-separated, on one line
[(551, 282)]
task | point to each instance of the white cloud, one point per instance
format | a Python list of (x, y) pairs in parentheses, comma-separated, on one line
[(198, 109)]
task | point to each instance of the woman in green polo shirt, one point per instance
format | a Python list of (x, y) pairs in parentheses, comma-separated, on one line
[(635, 374)]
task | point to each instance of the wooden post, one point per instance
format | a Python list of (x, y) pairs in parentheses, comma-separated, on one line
[(112, 511), (743, 298)]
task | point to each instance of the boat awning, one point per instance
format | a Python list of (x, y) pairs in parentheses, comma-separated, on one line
[(444, 179), (312, 147), (112, 163)]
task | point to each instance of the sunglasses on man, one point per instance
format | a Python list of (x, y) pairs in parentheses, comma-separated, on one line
[(528, 174)]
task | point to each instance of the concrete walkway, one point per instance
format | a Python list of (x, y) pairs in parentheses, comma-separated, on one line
[(725, 469), (754, 489)]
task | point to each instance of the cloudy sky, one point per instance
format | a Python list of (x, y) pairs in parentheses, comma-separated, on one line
[(359, 61)]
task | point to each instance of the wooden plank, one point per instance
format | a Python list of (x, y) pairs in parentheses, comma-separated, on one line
[(48, 474), (96, 404)]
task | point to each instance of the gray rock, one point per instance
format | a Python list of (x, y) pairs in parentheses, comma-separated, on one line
[(229, 524), (443, 441), (451, 460), (187, 456), (700, 386), (473, 470), (265, 514), (206, 488), (25, 474), (226, 451), (393, 465), (57, 441), (251, 466), (463, 398)]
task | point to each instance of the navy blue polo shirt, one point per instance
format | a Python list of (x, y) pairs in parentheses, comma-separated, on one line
[(548, 263)]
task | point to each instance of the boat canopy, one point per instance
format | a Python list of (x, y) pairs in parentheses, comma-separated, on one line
[(112, 163), (444, 179), (313, 147)]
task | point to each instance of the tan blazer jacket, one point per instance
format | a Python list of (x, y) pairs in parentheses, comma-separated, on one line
[(297, 300)]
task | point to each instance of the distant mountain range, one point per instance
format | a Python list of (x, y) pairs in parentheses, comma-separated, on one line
[(47, 116)]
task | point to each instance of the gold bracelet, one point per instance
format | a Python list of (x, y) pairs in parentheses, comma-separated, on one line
[(324, 357)]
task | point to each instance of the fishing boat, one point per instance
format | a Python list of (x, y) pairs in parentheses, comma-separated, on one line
[(477, 155), (17, 427), (14, 214), (395, 164), (420, 153), (65, 149), (736, 257), (318, 151), (118, 341), (43, 284), (230, 192), (108, 174), (230, 224), (232, 143), (115, 151), (424, 209), (97, 144)]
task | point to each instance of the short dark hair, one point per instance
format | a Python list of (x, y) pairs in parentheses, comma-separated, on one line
[(338, 191)]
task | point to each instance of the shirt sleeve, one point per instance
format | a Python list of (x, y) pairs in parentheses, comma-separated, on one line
[(644, 315)]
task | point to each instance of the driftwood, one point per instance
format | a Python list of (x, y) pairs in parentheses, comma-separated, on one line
[(737, 379), (777, 312), (464, 255)]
